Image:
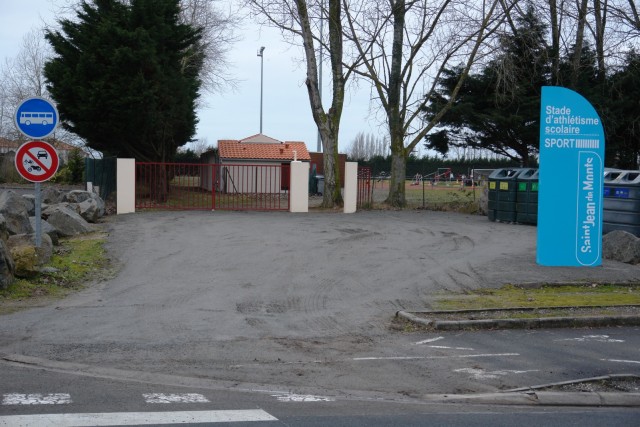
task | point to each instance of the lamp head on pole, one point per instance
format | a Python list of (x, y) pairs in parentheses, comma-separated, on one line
[(260, 51)]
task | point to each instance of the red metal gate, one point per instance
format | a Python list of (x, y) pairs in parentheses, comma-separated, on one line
[(212, 186), (365, 192)]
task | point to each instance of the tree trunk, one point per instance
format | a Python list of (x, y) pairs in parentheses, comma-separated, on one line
[(396, 122), (396, 196), (328, 123), (600, 21), (555, 42), (577, 55), (332, 195)]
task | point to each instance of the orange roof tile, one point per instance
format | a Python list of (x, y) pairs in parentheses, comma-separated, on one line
[(234, 149)]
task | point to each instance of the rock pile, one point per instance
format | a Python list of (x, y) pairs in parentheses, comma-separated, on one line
[(621, 246), (64, 214)]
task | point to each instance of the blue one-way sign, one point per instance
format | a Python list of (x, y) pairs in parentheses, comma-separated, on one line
[(36, 118)]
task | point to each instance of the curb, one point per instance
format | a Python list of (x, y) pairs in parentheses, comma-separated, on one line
[(429, 319), (541, 398), (533, 396)]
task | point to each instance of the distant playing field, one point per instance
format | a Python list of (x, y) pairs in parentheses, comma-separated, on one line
[(443, 195)]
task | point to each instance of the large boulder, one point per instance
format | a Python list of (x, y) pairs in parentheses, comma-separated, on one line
[(66, 220), (29, 201), (46, 228), (89, 210), (89, 205), (77, 196), (621, 246), (27, 256), (15, 213), (4, 232), (7, 266), (51, 195)]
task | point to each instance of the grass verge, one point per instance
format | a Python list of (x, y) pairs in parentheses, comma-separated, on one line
[(75, 261), (512, 296), (556, 305)]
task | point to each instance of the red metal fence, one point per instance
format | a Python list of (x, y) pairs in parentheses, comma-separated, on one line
[(212, 186), (365, 191)]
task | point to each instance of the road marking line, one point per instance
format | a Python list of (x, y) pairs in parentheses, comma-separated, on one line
[(290, 397), (135, 418), (481, 374), (428, 341), (598, 338), (36, 399), (621, 361), (450, 348), (175, 398), (459, 356)]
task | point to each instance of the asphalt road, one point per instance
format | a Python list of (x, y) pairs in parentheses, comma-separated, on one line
[(35, 397), (305, 303)]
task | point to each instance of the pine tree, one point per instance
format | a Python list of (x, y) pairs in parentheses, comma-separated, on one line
[(621, 119)]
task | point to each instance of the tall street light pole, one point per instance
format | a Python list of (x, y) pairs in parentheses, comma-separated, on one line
[(261, 55)]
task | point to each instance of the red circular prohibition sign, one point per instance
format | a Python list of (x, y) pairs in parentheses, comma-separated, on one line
[(37, 161)]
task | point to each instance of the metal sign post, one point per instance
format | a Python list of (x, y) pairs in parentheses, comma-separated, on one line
[(38, 221)]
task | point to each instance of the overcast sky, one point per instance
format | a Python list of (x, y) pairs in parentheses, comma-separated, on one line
[(234, 114)]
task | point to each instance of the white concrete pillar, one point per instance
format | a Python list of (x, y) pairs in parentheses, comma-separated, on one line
[(350, 195), (299, 187), (126, 186)]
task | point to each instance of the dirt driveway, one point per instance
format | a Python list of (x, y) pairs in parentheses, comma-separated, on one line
[(277, 298)]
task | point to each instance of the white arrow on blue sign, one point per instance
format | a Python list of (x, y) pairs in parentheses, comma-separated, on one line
[(36, 118)]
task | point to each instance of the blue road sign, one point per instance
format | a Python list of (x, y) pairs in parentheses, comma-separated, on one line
[(36, 118), (571, 180)]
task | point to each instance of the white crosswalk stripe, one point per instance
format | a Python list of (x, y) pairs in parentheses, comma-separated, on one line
[(124, 418), (36, 399), (136, 418), (175, 398)]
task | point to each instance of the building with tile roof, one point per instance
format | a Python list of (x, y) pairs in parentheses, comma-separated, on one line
[(255, 164), (261, 148)]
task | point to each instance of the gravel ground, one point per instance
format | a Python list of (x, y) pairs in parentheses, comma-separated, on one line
[(303, 301)]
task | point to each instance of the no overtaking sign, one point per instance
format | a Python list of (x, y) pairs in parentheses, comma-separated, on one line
[(36, 161)]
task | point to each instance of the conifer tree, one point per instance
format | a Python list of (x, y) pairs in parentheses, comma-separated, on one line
[(125, 77)]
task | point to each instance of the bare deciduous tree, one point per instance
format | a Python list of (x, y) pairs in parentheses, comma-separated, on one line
[(22, 77), (627, 12), (404, 46), (301, 20), (218, 35), (365, 147)]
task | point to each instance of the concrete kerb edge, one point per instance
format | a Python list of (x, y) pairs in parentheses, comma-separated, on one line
[(542, 398), (614, 377), (530, 323)]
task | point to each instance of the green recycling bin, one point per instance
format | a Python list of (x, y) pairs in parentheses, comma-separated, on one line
[(527, 197), (502, 194), (621, 205)]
